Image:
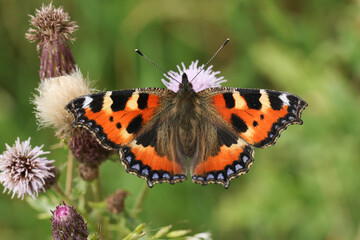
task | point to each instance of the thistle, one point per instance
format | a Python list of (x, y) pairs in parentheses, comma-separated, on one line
[(52, 29), (206, 78), (23, 170), (61, 81), (67, 223)]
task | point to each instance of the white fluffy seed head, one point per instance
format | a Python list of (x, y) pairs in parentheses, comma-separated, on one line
[(53, 95)]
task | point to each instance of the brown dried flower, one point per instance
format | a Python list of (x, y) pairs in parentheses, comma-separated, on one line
[(52, 29), (115, 202)]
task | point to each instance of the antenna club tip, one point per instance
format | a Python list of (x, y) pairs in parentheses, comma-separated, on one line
[(138, 51)]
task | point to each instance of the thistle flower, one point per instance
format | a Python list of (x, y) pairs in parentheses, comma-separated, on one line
[(23, 170), (206, 78), (67, 223), (52, 29)]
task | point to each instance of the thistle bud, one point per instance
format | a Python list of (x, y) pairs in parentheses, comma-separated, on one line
[(67, 223), (115, 202)]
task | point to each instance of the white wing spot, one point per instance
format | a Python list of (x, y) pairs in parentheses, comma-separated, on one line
[(87, 101), (284, 98)]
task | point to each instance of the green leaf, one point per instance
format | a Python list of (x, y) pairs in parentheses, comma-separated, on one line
[(178, 233), (162, 231), (137, 233)]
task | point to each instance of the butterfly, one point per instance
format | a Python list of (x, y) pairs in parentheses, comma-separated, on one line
[(158, 130)]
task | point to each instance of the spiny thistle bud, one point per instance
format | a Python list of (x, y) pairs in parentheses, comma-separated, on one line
[(88, 172), (23, 170), (115, 202), (52, 29), (85, 148), (67, 223)]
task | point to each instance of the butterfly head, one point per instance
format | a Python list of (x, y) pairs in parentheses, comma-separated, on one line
[(185, 85)]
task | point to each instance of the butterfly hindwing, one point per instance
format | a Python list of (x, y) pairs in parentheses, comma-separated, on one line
[(128, 120), (231, 161), (257, 115)]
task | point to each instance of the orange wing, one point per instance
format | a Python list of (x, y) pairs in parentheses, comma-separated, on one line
[(115, 116), (258, 116), (231, 161)]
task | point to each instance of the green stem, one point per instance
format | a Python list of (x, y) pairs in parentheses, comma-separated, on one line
[(140, 200), (69, 174), (61, 193), (97, 189), (98, 197)]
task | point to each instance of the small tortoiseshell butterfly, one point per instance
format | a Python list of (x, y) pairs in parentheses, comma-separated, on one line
[(157, 130)]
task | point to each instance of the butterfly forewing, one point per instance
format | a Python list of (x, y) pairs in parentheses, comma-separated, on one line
[(257, 115)]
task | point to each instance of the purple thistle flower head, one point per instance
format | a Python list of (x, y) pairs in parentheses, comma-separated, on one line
[(86, 148), (67, 223), (23, 170), (52, 29), (206, 78)]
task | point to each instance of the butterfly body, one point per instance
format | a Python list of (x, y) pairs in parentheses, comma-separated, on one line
[(157, 130)]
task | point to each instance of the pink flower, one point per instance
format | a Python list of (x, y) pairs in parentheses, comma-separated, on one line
[(23, 170), (206, 78)]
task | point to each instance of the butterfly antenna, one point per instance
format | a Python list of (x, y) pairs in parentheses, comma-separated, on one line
[(206, 64), (157, 66)]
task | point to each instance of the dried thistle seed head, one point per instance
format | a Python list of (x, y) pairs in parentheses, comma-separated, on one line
[(67, 223), (115, 202), (52, 29), (23, 170), (49, 24), (52, 96), (206, 78), (88, 172)]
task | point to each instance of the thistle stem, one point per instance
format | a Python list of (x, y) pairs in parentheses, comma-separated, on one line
[(61, 193), (98, 197), (69, 174), (140, 200), (97, 189)]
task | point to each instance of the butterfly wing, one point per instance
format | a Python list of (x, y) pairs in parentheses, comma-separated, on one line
[(242, 119), (129, 120), (257, 115)]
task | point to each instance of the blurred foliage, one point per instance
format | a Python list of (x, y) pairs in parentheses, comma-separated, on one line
[(304, 187)]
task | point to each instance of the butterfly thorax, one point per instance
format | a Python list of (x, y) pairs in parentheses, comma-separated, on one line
[(186, 117)]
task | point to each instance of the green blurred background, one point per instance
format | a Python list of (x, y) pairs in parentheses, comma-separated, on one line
[(305, 187)]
